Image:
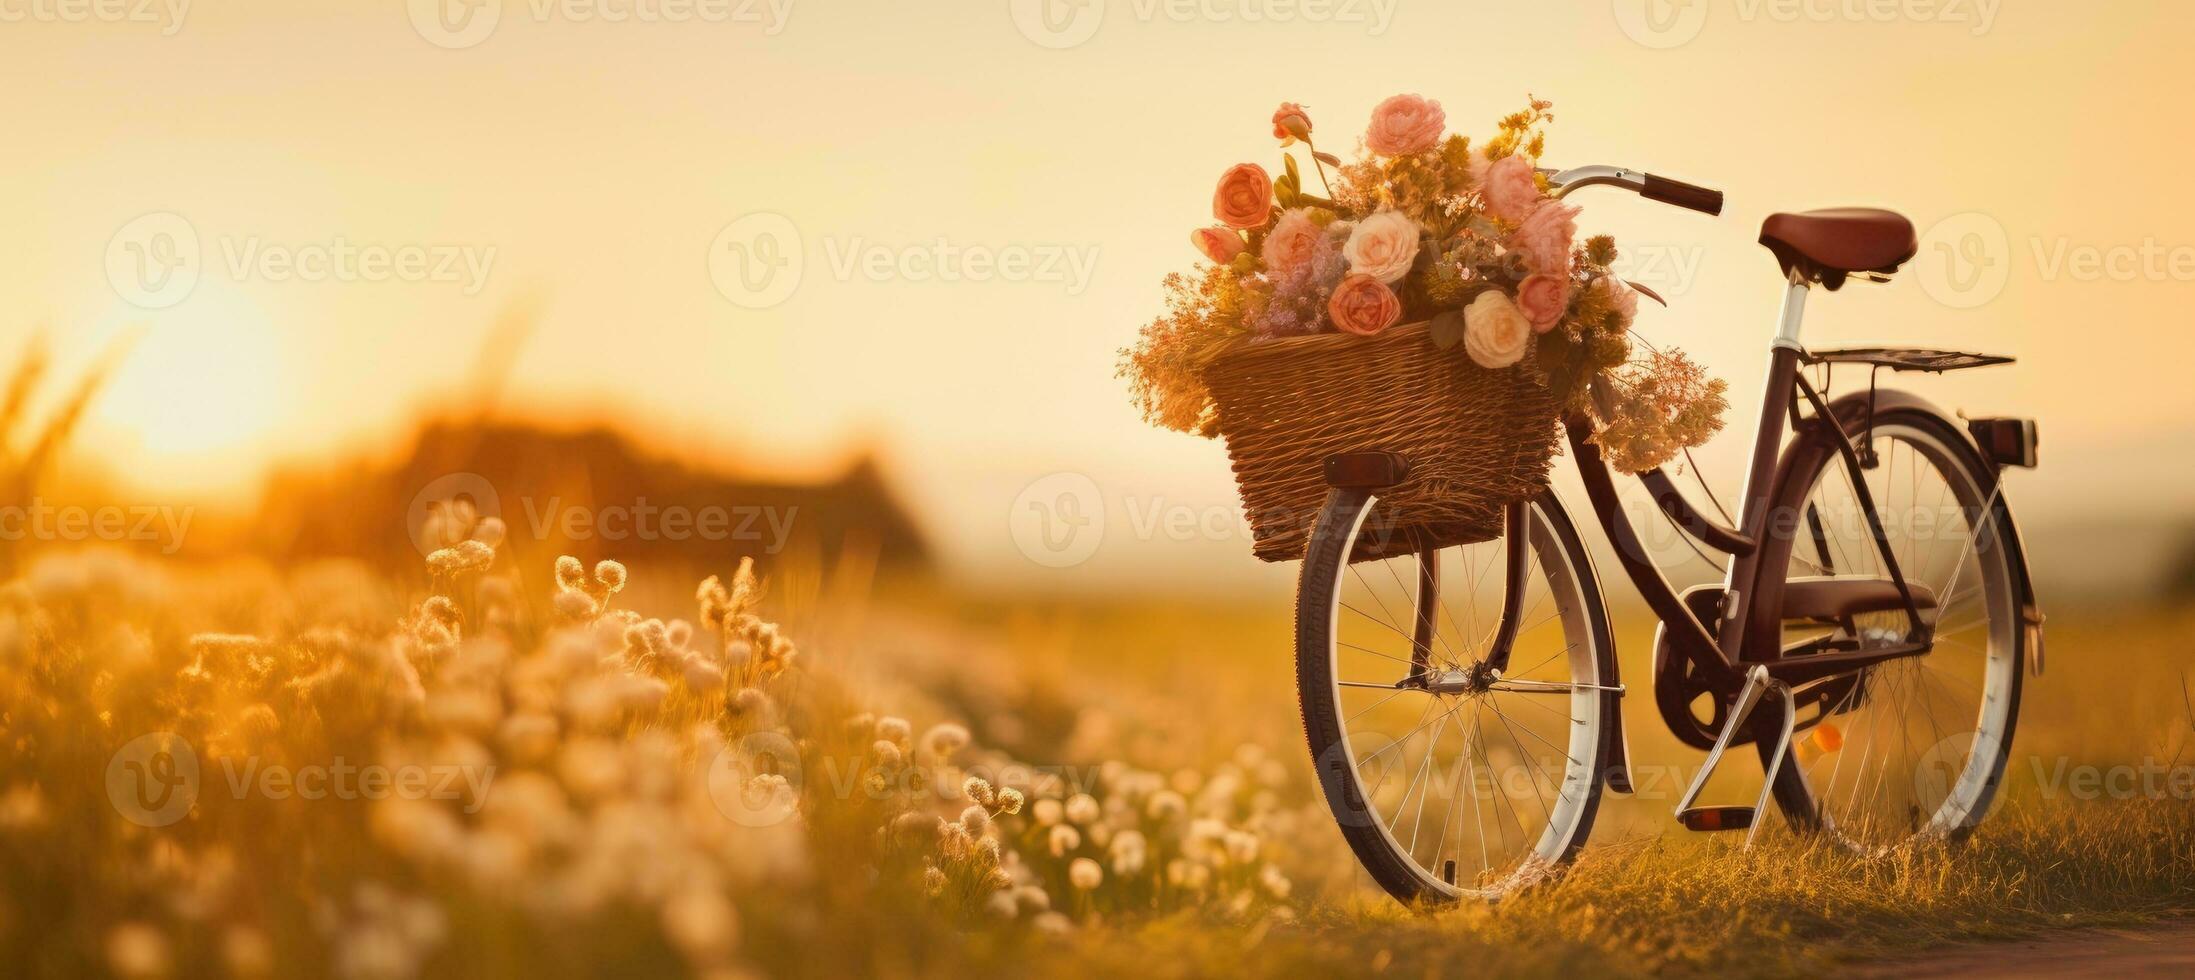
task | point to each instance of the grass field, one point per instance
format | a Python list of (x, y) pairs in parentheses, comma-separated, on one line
[(478, 767)]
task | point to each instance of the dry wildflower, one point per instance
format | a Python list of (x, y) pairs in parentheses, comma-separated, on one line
[(570, 574), (976, 820), (1166, 805), (978, 789), (1062, 839), (894, 730), (1047, 812), (886, 753), (1241, 846), (941, 741), (1658, 408), (457, 559), (750, 703), (573, 604), (1009, 800), (1129, 852), (1082, 808), (610, 576), (1085, 874), (1031, 899)]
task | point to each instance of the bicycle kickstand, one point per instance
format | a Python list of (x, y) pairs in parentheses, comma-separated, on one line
[(1757, 682)]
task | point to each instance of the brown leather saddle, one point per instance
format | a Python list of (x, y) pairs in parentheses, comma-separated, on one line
[(1829, 246)]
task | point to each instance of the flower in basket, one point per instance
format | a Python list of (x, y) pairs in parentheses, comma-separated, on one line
[(1244, 198), (1362, 304), (1461, 239)]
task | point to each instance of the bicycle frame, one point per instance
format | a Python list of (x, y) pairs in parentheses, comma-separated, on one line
[(1746, 621)]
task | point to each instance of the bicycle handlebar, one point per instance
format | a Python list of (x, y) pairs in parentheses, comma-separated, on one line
[(1653, 187)]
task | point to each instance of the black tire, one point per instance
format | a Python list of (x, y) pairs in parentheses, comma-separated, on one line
[(1810, 459), (1317, 598)]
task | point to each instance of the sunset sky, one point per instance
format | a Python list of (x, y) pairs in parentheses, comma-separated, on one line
[(920, 154)]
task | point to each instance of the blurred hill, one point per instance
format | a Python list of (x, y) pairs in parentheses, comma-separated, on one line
[(592, 492)]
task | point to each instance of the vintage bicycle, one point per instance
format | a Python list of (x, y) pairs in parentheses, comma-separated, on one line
[(1868, 637)]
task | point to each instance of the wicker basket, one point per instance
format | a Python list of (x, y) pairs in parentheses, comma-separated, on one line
[(1476, 439)]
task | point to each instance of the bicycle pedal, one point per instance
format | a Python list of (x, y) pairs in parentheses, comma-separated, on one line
[(1710, 818)]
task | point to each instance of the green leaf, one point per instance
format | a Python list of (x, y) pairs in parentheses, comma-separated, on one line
[(1447, 330), (1288, 162)]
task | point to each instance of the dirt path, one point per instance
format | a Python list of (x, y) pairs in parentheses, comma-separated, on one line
[(2163, 950)]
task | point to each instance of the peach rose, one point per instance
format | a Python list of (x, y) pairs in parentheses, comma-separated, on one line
[(1219, 244), (1405, 124), (1291, 244), (1244, 198), (1494, 332), (1545, 236), (1363, 305), (1383, 246), (1291, 123), (1543, 300), (1509, 188)]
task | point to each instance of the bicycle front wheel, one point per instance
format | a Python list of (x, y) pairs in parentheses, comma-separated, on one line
[(1447, 780)]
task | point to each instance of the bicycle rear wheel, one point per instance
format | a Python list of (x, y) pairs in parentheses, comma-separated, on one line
[(1484, 787), (1914, 748)]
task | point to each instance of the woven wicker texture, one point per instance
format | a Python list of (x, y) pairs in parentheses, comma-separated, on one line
[(1476, 439)]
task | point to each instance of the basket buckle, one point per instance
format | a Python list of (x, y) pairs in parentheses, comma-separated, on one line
[(1371, 470)]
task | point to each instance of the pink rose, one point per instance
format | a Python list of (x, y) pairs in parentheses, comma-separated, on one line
[(1543, 300), (1291, 123), (1244, 198), (1405, 124), (1383, 246), (1620, 296), (1495, 334), (1291, 244), (1509, 188), (1363, 305), (1221, 245), (1544, 237)]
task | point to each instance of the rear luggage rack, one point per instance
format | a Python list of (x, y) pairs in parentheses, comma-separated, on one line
[(1904, 358)]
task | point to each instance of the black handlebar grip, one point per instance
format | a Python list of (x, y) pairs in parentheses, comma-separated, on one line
[(1681, 194)]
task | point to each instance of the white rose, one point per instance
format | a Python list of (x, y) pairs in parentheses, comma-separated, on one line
[(1383, 246), (1495, 332)]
